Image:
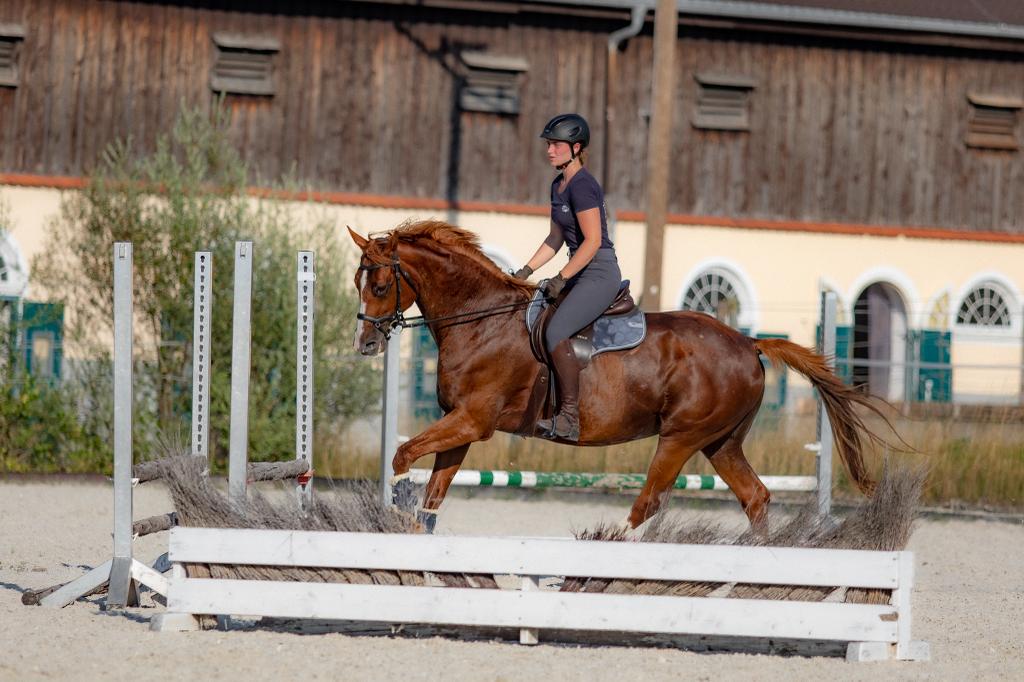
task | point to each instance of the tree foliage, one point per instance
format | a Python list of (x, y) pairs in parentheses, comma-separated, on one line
[(190, 195)]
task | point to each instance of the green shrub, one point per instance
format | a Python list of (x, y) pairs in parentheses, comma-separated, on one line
[(40, 430), (189, 195)]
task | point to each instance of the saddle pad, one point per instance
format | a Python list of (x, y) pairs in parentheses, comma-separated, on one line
[(617, 332)]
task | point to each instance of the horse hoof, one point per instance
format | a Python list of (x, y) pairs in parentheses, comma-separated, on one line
[(428, 519), (403, 495)]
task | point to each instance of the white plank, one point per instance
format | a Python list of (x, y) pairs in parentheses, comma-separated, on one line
[(505, 608), (901, 600), (536, 556), (149, 577), (75, 589)]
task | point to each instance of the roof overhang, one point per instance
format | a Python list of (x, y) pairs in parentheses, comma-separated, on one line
[(733, 9)]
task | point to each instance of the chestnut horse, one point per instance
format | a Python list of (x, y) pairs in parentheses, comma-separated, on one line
[(694, 382)]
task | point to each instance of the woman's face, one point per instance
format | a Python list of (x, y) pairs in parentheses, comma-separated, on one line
[(558, 153)]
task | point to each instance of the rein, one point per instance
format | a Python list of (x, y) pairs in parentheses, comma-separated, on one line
[(385, 324)]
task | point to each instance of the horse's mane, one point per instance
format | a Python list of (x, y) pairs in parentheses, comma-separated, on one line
[(442, 238)]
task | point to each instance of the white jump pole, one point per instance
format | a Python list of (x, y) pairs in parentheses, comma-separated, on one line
[(121, 588), (241, 347), (201, 332), (305, 316), (825, 444), (389, 414)]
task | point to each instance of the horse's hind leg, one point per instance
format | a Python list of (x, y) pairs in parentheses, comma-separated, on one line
[(446, 465), (672, 453), (726, 456)]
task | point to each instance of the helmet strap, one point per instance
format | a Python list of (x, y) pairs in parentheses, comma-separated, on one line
[(572, 156)]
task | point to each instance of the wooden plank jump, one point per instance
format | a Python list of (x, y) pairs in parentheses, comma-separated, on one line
[(873, 632)]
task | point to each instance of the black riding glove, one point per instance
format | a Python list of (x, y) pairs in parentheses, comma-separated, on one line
[(523, 272), (552, 287)]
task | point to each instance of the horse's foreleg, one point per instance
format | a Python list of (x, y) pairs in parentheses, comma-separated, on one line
[(453, 430), (671, 455), (446, 465)]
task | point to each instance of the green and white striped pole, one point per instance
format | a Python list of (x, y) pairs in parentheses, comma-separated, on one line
[(561, 479)]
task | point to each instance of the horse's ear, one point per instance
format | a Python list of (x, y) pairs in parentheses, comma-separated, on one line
[(360, 241)]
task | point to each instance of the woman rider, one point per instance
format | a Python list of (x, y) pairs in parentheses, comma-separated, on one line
[(591, 277)]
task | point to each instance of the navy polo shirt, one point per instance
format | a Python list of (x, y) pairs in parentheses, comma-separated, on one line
[(582, 193)]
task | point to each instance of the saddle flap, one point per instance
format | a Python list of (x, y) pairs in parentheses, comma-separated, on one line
[(622, 326)]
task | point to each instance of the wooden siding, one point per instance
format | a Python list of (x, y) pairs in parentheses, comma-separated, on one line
[(365, 101)]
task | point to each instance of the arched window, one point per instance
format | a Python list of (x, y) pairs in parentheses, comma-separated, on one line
[(938, 314), (985, 306), (841, 314), (715, 293)]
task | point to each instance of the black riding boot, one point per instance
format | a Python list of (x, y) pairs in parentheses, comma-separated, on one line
[(567, 372)]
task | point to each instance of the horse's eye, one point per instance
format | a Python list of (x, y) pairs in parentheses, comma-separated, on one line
[(379, 290)]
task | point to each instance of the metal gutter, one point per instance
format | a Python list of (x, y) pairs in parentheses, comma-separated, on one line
[(636, 23), (615, 39), (810, 15)]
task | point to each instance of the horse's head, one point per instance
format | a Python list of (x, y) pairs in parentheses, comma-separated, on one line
[(384, 290)]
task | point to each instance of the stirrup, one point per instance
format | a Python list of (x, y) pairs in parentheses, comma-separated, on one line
[(551, 433)]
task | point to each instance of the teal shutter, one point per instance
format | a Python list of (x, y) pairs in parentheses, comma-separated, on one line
[(844, 335), (424, 376), (933, 383), (774, 379), (43, 325)]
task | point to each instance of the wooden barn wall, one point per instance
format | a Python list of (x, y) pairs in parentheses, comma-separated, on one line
[(365, 103)]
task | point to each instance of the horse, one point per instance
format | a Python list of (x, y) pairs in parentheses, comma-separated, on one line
[(694, 381)]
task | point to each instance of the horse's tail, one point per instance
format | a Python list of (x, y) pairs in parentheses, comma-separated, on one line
[(840, 402)]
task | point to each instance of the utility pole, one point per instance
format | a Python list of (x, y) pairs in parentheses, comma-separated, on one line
[(659, 144)]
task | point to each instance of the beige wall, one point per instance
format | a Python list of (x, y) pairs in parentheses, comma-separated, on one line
[(26, 211), (782, 272)]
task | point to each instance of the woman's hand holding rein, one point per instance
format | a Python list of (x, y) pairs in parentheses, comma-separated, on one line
[(523, 272)]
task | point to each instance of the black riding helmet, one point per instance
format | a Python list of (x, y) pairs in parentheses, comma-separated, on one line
[(571, 128)]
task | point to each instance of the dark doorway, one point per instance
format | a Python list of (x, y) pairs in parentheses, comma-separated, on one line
[(880, 341)]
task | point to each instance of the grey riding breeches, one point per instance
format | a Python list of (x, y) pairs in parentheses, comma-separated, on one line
[(592, 290)]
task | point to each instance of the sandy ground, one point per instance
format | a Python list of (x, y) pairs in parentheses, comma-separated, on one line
[(968, 603)]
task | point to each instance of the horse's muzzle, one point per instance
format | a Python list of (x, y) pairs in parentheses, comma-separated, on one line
[(373, 346)]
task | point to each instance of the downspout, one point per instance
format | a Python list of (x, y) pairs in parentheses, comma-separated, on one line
[(636, 24)]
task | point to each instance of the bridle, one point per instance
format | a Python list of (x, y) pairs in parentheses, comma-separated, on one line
[(385, 324)]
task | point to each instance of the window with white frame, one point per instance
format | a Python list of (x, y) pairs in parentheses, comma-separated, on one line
[(986, 306), (13, 277), (841, 315), (714, 293)]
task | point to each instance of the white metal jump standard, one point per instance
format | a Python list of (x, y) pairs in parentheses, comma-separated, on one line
[(305, 321), (873, 632), (241, 348), (123, 570), (305, 293)]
